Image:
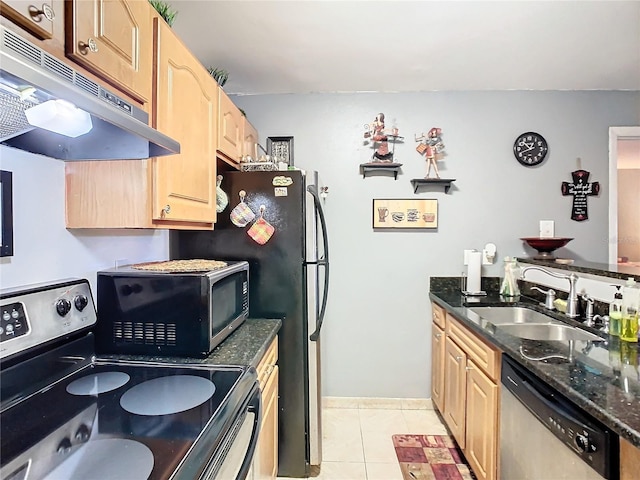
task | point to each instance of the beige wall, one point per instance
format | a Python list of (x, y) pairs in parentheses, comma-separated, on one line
[(629, 214)]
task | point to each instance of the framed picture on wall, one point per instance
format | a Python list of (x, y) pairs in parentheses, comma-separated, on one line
[(280, 149), (401, 213)]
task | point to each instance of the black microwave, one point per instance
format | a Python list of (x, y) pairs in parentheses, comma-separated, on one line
[(158, 313)]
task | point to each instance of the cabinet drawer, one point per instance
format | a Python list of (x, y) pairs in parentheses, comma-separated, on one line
[(268, 363), (485, 356), (438, 315)]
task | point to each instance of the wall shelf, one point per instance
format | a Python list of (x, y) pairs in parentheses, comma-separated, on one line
[(417, 183), (377, 167)]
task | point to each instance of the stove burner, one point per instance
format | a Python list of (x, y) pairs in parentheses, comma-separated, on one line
[(166, 395), (97, 383), (106, 459)]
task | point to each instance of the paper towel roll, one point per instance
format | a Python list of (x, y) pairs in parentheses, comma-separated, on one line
[(473, 272)]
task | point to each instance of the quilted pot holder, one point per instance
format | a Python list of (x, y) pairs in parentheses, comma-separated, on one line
[(222, 200), (261, 231), (241, 215)]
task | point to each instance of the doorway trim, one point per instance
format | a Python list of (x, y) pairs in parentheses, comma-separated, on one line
[(616, 133)]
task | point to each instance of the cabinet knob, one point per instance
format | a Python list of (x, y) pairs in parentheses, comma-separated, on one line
[(458, 358), (45, 11), (90, 45), (166, 210), (468, 368), (438, 335)]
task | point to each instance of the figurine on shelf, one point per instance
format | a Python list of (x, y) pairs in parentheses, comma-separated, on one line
[(430, 146), (376, 132)]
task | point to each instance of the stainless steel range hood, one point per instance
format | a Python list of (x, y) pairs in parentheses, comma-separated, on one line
[(29, 76)]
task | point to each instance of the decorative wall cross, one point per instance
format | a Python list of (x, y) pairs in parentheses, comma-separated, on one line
[(580, 189)]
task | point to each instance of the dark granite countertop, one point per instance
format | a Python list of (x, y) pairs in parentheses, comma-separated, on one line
[(246, 346), (620, 270), (602, 379)]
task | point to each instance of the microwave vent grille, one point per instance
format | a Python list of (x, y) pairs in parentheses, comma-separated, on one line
[(145, 333)]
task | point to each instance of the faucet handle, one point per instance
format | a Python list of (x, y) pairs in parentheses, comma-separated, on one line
[(550, 297)]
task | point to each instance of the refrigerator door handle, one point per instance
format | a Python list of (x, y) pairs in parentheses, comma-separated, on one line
[(314, 336), (312, 189)]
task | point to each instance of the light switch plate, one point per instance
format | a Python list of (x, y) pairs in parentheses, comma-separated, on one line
[(546, 228)]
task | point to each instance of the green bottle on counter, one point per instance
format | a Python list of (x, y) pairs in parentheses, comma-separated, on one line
[(615, 312), (630, 307)]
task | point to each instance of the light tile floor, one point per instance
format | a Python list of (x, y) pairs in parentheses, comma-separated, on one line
[(357, 445)]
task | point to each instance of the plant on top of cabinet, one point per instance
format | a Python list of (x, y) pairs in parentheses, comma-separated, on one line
[(165, 10), (220, 75)]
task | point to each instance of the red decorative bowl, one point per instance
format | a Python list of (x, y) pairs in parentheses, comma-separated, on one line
[(545, 246)]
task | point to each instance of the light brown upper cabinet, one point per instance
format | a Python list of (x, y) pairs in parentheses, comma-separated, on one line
[(38, 18), (186, 108), (176, 191), (113, 39), (250, 136), (230, 134)]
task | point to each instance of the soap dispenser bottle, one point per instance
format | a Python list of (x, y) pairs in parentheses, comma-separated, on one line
[(615, 312), (630, 307)]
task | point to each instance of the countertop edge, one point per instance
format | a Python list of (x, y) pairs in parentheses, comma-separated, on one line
[(244, 347)]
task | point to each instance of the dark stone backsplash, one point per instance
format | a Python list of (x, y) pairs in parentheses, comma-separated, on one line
[(492, 285)]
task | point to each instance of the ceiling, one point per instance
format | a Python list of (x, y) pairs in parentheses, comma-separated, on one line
[(401, 46)]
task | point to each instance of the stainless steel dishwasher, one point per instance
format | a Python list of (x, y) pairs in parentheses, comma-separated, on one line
[(545, 436)]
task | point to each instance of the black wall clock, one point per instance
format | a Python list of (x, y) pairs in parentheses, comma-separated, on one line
[(530, 149)]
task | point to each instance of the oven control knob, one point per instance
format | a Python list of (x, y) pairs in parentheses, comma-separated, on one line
[(63, 306), (81, 301), (64, 446), (83, 434), (6, 316), (582, 441)]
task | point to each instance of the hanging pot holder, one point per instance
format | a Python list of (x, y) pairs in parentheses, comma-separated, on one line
[(241, 215), (222, 200), (261, 231)]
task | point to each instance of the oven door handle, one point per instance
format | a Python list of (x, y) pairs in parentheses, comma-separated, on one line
[(255, 407)]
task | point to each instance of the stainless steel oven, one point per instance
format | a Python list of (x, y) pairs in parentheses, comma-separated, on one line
[(543, 435), (66, 413)]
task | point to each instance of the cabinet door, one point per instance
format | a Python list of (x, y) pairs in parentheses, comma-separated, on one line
[(113, 39), (184, 186), (265, 465), (230, 143), (38, 20), (455, 390), (250, 135), (481, 447), (437, 367)]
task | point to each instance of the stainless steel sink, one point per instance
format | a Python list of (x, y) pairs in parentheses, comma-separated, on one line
[(554, 332), (510, 315)]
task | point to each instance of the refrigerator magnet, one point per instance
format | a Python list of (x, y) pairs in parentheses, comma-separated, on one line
[(282, 181), (281, 191)]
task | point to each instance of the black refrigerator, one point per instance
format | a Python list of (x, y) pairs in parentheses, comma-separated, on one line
[(288, 279)]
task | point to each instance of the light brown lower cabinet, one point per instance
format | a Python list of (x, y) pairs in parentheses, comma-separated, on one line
[(629, 460), (471, 377), (265, 461)]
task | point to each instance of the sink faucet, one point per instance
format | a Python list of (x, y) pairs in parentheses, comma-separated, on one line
[(572, 301)]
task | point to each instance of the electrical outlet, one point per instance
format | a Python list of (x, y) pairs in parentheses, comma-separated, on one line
[(546, 228), (119, 262)]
